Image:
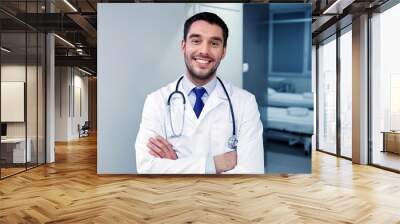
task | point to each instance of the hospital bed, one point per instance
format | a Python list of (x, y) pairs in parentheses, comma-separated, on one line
[(281, 99), (294, 124)]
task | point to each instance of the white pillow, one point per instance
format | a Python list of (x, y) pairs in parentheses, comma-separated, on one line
[(271, 91), (308, 95), (297, 111)]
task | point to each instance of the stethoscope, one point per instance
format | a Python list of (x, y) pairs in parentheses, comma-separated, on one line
[(232, 141)]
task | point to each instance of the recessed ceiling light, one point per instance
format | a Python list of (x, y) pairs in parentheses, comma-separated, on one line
[(70, 5), (84, 71), (337, 7), (5, 50), (65, 41)]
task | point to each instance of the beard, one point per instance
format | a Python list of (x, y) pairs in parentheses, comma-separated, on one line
[(200, 75)]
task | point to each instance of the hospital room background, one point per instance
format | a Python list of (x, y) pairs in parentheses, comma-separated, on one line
[(268, 54), (277, 70)]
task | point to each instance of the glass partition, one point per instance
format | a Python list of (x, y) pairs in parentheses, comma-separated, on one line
[(385, 89), (22, 88), (41, 91), (31, 100), (327, 96), (346, 93), (13, 110)]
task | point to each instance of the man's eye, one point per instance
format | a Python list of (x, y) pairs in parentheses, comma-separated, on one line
[(195, 41), (215, 44)]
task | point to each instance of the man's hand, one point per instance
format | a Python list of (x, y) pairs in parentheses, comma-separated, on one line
[(161, 148), (225, 162)]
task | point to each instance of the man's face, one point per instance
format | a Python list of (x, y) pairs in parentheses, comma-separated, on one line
[(203, 49)]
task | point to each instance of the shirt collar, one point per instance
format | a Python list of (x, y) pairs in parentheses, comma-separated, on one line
[(188, 85)]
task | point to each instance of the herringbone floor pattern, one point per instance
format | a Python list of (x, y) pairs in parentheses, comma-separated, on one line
[(70, 191)]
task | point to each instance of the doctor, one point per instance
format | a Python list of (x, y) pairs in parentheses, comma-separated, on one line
[(199, 124)]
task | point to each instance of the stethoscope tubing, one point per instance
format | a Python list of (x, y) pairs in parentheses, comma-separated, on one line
[(184, 104)]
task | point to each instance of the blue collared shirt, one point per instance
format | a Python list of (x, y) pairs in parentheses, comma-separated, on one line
[(188, 87)]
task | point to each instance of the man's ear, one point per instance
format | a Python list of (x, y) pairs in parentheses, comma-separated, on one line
[(183, 45), (223, 54)]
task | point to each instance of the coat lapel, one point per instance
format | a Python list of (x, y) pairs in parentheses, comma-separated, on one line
[(189, 113), (217, 97)]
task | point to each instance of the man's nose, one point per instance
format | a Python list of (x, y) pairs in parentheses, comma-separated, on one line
[(204, 48)]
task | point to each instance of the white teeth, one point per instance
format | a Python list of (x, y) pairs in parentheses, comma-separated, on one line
[(202, 61)]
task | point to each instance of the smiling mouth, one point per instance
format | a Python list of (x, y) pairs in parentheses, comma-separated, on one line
[(202, 61)]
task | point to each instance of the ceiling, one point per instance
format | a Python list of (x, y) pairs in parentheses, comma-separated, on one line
[(76, 22)]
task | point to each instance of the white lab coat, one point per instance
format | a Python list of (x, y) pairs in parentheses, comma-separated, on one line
[(202, 137)]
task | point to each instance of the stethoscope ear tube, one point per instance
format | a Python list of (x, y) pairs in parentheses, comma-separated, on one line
[(176, 92)]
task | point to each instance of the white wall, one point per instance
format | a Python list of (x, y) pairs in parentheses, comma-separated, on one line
[(68, 80), (137, 55), (61, 103), (81, 81)]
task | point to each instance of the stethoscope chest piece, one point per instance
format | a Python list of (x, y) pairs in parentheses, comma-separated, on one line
[(232, 142)]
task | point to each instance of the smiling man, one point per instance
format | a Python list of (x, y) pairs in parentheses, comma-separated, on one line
[(199, 123)]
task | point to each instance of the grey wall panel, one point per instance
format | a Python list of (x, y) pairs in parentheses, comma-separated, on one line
[(137, 54)]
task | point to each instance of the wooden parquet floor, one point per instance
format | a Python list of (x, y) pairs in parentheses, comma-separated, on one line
[(70, 191)]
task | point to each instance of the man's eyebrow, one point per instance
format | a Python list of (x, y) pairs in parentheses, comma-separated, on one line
[(194, 35), (216, 38)]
